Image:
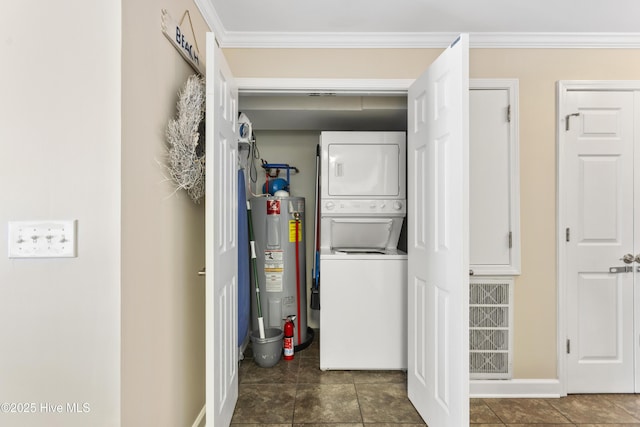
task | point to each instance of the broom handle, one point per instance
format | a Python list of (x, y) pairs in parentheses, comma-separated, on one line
[(255, 272)]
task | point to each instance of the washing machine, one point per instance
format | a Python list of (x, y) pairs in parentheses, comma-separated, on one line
[(363, 274)]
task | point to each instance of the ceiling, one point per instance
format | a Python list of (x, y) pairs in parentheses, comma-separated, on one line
[(401, 24), (429, 15), (242, 22)]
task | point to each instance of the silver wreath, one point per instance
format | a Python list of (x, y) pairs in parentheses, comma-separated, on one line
[(185, 139)]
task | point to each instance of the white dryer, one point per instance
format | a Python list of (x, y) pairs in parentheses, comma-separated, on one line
[(362, 273)]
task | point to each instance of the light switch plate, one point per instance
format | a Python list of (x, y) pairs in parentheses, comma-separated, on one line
[(42, 239)]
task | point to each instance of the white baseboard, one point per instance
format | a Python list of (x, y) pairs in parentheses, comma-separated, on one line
[(515, 388), (201, 419)]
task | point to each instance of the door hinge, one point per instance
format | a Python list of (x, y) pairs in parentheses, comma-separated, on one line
[(568, 234), (510, 240), (509, 113), (566, 120), (568, 346)]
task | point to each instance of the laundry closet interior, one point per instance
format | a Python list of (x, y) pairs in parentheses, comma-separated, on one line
[(287, 128)]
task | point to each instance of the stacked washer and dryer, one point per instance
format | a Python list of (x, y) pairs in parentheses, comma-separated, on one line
[(363, 273)]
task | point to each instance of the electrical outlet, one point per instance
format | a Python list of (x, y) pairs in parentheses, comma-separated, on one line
[(42, 239)]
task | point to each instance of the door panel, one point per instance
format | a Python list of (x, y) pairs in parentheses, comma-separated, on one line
[(438, 281), (490, 219), (599, 335), (599, 188), (599, 199), (221, 239)]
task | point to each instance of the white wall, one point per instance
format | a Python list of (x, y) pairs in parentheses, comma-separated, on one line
[(60, 159)]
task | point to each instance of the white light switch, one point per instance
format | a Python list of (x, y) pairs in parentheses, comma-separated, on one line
[(42, 239)]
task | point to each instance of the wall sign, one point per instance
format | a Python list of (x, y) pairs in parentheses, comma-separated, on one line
[(185, 43)]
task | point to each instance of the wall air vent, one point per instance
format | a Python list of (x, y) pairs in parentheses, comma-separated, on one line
[(490, 328)]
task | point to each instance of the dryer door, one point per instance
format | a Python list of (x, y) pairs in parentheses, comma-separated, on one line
[(363, 165), (364, 170)]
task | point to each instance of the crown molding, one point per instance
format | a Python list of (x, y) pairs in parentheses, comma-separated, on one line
[(234, 39), (210, 16), (555, 40), (400, 40), (428, 40)]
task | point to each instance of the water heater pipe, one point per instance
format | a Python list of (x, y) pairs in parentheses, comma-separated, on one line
[(297, 225)]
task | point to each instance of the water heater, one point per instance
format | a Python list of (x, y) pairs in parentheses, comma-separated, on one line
[(278, 225)]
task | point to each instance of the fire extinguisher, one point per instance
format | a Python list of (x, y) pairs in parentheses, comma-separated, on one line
[(288, 337)]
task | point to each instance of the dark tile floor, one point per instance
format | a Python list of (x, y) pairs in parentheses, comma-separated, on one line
[(296, 392)]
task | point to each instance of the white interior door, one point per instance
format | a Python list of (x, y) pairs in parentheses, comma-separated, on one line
[(221, 239), (635, 335), (438, 239), (599, 205)]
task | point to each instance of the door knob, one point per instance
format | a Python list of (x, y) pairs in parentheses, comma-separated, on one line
[(637, 258), (628, 259)]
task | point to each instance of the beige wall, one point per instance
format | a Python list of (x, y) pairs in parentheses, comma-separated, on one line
[(538, 70), (87, 90), (60, 159), (163, 366)]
